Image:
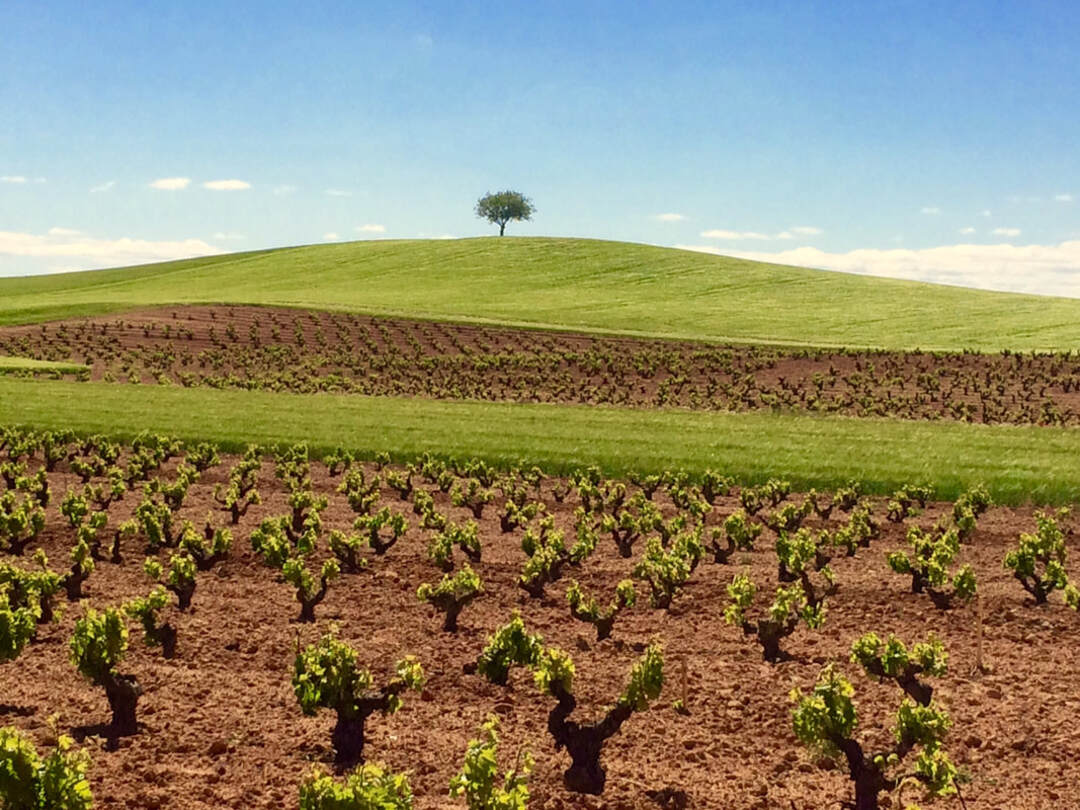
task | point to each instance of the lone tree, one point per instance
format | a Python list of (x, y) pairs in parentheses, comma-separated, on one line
[(503, 206)]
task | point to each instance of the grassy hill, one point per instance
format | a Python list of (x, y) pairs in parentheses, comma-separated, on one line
[(572, 283)]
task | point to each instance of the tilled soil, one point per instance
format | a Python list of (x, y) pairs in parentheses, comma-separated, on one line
[(220, 726), (276, 349)]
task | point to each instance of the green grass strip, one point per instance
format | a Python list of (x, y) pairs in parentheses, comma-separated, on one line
[(10, 364), (576, 284), (1017, 464)]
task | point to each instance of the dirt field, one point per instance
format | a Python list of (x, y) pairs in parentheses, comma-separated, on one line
[(275, 349), (220, 727)]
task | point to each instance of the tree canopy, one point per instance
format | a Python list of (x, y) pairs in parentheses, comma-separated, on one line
[(502, 206)]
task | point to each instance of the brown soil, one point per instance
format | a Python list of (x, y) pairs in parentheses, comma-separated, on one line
[(220, 727), (278, 349)]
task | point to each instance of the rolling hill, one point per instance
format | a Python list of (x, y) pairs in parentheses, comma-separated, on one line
[(576, 284)]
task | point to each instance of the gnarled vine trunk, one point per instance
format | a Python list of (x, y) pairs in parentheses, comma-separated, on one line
[(123, 692), (348, 740), (584, 743), (348, 734)]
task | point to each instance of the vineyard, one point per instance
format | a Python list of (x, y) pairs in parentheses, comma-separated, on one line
[(534, 523), (279, 350), (182, 627)]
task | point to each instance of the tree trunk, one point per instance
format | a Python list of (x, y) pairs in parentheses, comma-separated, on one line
[(453, 610), (183, 592), (166, 637), (604, 626), (348, 740), (920, 692), (380, 546), (502, 228), (869, 781), (123, 693), (73, 583), (584, 744)]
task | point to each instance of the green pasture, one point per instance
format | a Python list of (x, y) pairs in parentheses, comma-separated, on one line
[(572, 284), (1017, 464), (10, 365)]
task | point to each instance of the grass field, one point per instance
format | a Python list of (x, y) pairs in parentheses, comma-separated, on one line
[(572, 283), (13, 364), (1017, 464)]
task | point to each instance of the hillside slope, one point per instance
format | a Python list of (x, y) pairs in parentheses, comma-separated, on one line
[(574, 284)]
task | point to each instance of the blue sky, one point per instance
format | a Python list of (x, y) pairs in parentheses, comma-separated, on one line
[(925, 140)]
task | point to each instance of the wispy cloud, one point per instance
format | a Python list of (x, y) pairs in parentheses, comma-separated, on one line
[(227, 185), (171, 183), (669, 217), (1043, 269), (1063, 197), (337, 192), (985, 213), (1006, 232), (282, 190), (82, 251), (107, 186), (720, 233), (932, 210), (13, 178), (967, 231), (371, 228), (790, 233), (330, 236), (222, 236)]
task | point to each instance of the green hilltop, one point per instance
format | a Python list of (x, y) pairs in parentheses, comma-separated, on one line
[(578, 284)]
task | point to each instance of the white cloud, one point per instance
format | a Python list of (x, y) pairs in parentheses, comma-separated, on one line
[(82, 252), (985, 213), (330, 236), (967, 231), (669, 217), (222, 236), (226, 185), (338, 192), (1042, 269), (284, 189), (1006, 232), (103, 187), (371, 228), (1063, 197), (791, 233), (12, 178), (720, 233), (171, 183), (930, 209)]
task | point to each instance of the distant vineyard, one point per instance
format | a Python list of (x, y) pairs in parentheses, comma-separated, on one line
[(282, 350)]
